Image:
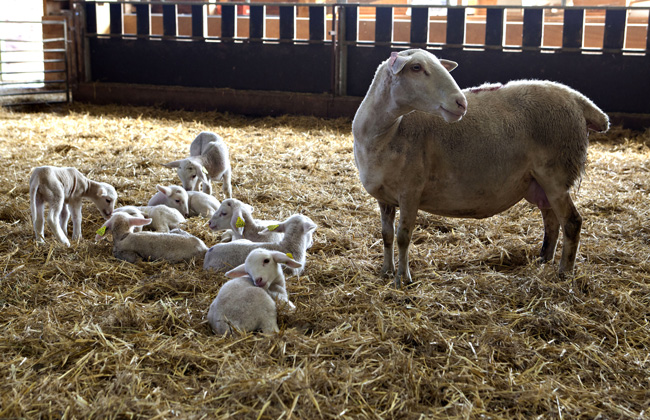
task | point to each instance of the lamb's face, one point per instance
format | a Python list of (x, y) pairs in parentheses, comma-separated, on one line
[(220, 220), (190, 175), (262, 268), (177, 198), (105, 200)]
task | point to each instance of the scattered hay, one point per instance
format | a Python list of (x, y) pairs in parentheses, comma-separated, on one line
[(484, 332)]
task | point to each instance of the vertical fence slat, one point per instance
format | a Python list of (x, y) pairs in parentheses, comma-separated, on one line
[(143, 19), (316, 23), (169, 19), (91, 17), (198, 21), (115, 13), (572, 30), (287, 22), (228, 21), (257, 19), (647, 39), (351, 22), (384, 24), (456, 26), (419, 25), (494, 27), (533, 23), (614, 29)]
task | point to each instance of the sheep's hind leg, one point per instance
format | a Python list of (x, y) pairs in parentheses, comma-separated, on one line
[(571, 223), (388, 235), (551, 233), (56, 207), (38, 219)]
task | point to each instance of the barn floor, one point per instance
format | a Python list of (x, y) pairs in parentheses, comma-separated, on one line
[(485, 332)]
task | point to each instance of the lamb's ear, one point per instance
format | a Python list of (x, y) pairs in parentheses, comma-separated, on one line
[(282, 258), (237, 224), (102, 192), (174, 164), (101, 232), (237, 272), (165, 190), (309, 227), (138, 221), (397, 62), (274, 228), (203, 174), (448, 64)]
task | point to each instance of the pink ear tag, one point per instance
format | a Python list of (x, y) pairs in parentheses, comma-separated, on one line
[(393, 57)]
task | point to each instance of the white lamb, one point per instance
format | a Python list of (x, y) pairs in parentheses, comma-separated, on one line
[(422, 143), (209, 160), (201, 204), (236, 216), (297, 229), (135, 246), (63, 189), (163, 218), (248, 302), (172, 196)]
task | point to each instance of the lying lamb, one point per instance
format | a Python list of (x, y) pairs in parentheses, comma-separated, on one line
[(201, 204), (523, 140), (172, 196), (163, 218), (209, 160), (63, 189), (236, 216), (134, 246), (297, 229), (248, 302)]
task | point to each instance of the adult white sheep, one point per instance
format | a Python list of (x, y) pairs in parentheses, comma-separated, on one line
[(525, 139), (248, 302), (209, 160), (64, 189)]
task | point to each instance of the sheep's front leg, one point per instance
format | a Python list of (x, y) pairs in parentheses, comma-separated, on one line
[(407, 215), (206, 187), (388, 235), (75, 210), (227, 186)]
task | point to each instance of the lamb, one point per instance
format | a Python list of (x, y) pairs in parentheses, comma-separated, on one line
[(163, 218), (209, 160), (63, 189), (172, 196), (248, 302), (525, 139), (135, 246), (236, 216), (297, 229), (201, 204)]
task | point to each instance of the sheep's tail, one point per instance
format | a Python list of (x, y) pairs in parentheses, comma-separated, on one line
[(595, 118)]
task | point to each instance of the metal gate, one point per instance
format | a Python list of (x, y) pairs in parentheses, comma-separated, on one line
[(34, 62)]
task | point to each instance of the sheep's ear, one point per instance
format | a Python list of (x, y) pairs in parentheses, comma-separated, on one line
[(101, 232), (138, 221), (202, 173), (174, 164), (274, 228), (282, 258), (165, 190), (448, 64), (397, 62), (237, 272), (237, 224), (309, 227), (101, 192)]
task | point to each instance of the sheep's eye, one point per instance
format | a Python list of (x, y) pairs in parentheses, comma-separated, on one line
[(224, 213), (266, 261), (108, 200), (193, 176), (416, 67), (178, 201)]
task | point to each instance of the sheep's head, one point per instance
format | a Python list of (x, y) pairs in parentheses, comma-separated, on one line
[(296, 225), (420, 81), (176, 198), (119, 224), (105, 199), (190, 172), (264, 267)]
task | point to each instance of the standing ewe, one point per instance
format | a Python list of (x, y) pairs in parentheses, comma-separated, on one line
[(248, 302), (134, 246), (236, 216), (64, 189), (526, 139), (297, 229), (172, 196), (209, 160)]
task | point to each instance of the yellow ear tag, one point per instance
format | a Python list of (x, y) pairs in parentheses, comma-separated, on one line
[(272, 227), (101, 231), (290, 255), (205, 171), (240, 223)]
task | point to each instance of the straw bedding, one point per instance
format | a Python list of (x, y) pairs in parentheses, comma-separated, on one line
[(485, 331)]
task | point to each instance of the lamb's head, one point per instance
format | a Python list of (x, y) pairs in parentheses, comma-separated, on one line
[(119, 224), (227, 215), (176, 198), (190, 172), (263, 267), (420, 81), (105, 199), (296, 226)]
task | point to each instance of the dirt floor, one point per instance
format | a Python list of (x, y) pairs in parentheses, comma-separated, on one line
[(485, 331)]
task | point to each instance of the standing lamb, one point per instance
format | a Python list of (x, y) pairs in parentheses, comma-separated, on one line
[(526, 139), (248, 302), (236, 216), (134, 246), (297, 229), (172, 196), (64, 189), (209, 160)]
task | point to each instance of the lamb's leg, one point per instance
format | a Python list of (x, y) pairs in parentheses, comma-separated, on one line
[(38, 219), (227, 186), (207, 187), (64, 217), (56, 207), (408, 212), (551, 233), (75, 209), (388, 236), (270, 324), (128, 256)]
